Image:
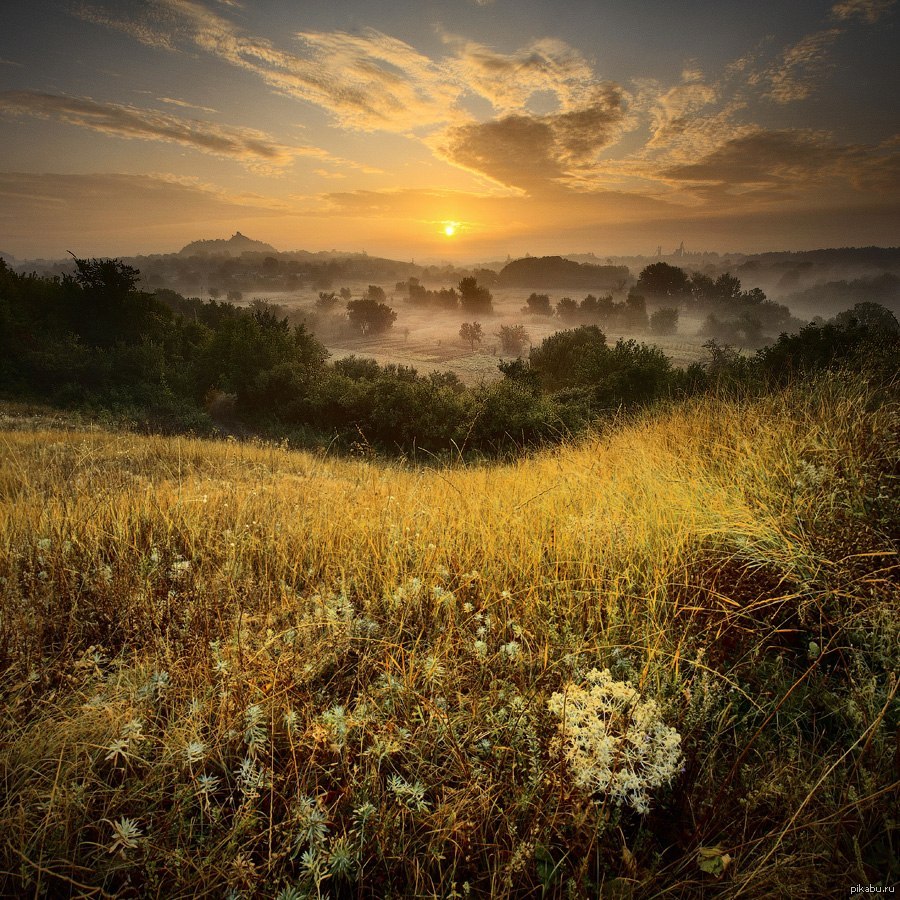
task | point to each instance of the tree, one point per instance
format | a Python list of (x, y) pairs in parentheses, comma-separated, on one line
[(634, 313), (370, 316), (475, 298), (561, 356), (376, 293), (327, 301), (664, 320), (567, 309), (703, 288), (513, 339), (664, 280), (538, 305), (727, 287), (234, 296), (471, 333)]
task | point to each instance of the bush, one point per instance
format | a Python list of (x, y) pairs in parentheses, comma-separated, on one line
[(664, 320), (513, 339)]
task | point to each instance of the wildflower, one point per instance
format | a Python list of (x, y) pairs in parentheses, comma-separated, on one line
[(311, 825), (180, 568), (362, 814), (254, 732), (118, 752), (250, 779), (341, 858), (510, 650), (194, 752), (207, 784), (133, 730), (615, 742), (314, 863), (481, 649), (336, 720), (291, 893), (411, 795), (126, 836)]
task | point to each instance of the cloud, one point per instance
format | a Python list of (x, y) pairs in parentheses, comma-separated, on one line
[(255, 149), (800, 67), (151, 27), (868, 10), (530, 152), (365, 81), (782, 165), (508, 80), (674, 111), (371, 81), (174, 101), (516, 151)]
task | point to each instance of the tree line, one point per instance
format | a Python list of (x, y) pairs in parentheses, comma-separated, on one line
[(94, 341)]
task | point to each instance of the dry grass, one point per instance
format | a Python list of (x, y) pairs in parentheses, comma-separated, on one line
[(237, 668)]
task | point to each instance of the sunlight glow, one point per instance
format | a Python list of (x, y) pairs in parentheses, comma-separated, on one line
[(450, 229)]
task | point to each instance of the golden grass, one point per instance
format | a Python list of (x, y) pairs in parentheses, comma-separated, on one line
[(732, 559)]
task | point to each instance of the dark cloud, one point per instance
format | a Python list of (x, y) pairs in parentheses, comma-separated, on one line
[(532, 152), (763, 157), (517, 151)]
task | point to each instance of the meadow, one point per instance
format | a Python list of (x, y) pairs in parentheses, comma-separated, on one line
[(428, 339), (657, 661)]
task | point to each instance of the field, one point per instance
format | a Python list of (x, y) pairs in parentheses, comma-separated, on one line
[(658, 662), (428, 339)]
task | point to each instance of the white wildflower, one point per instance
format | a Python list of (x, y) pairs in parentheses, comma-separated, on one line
[(615, 742)]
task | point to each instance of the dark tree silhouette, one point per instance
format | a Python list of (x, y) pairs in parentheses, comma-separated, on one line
[(663, 280), (370, 316)]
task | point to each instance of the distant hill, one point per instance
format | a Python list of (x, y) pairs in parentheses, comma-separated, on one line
[(234, 246), (8, 257), (556, 272)]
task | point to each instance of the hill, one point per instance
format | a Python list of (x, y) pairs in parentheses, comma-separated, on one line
[(557, 272), (236, 245), (662, 659)]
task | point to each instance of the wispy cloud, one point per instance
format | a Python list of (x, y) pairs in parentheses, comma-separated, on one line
[(868, 10), (252, 148), (508, 80), (150, 25), (800, 67), (183, 104), (553, 120), (366, 81)]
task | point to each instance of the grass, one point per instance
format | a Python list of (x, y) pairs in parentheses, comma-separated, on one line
[(232, 669)]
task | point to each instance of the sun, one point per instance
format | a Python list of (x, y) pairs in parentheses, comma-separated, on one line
[(450, 229)]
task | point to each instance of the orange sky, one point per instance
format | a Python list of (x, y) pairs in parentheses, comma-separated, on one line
[(531, 126)]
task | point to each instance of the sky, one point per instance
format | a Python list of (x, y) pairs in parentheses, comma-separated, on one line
[(460, 130)]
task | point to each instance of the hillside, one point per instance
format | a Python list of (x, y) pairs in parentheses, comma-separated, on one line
[(556, 272), (656, 661), (234, 246)]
